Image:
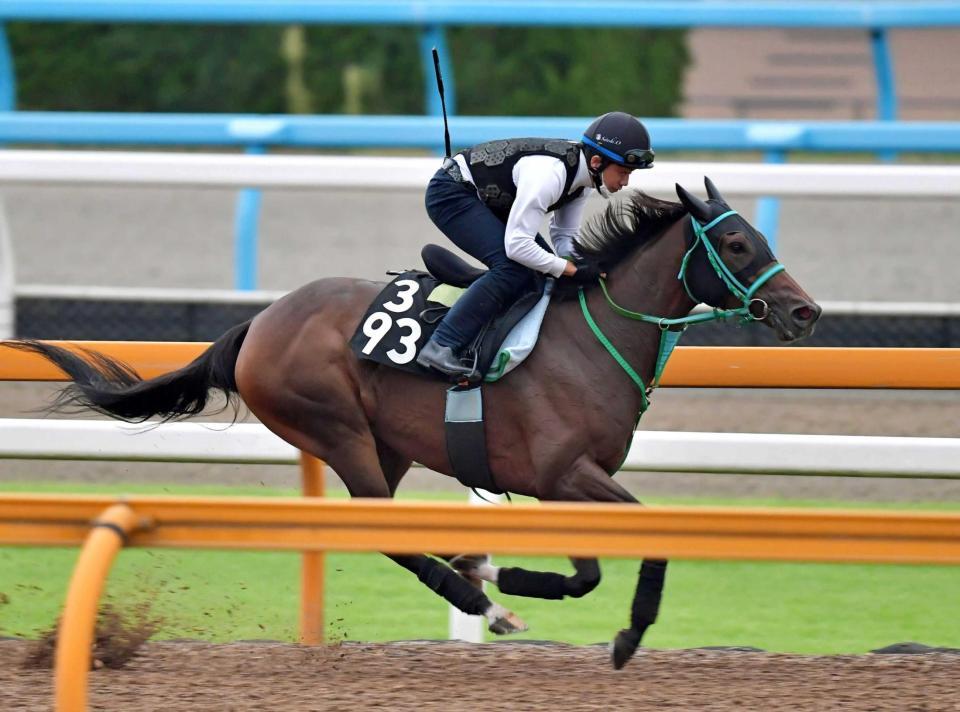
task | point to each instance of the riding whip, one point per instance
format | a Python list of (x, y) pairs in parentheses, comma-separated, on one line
[(443, 103)]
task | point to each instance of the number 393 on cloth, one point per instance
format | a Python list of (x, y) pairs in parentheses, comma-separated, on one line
[(398, 322)]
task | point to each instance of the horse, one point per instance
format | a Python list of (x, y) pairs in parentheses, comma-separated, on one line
[(557, 427)]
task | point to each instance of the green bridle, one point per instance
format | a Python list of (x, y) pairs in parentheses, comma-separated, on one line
[(669, 334), (743, 293)]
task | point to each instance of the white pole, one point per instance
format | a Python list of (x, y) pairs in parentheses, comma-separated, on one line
[(7, 314), (470, 629)]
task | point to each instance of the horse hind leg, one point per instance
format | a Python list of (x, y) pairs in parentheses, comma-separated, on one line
[(517, 581), (435, 574), (370, 469)]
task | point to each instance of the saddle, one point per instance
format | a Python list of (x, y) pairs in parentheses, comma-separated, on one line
[(405, 313)]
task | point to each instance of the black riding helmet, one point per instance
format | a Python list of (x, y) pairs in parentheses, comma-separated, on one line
[(618, 138)]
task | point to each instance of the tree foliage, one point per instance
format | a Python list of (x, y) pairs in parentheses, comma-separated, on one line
[(371, 70), (566, 72), (148, 67)]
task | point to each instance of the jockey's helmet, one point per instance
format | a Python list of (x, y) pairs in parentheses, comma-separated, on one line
[(618, 138)]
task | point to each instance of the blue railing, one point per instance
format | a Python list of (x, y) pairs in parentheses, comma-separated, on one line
[(255, 133), (862, 14), (426, 132)]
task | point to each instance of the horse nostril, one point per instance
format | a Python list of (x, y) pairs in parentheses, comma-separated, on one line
[(805, 313)]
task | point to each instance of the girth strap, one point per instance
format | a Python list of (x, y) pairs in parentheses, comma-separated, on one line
[(466, 438)]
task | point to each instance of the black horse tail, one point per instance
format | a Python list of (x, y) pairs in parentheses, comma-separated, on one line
[(113, 388)]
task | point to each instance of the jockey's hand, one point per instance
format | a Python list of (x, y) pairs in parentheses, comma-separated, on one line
[(586, 272)]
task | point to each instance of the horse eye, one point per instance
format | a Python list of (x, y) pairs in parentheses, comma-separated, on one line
[(737, 247)]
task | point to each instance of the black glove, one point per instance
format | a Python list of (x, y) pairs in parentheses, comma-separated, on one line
[(587, 272)]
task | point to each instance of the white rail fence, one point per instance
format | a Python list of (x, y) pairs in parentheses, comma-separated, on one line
[(392, 172), (651, 451)]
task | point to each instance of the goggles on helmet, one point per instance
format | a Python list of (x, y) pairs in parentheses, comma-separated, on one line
[(634, 158)]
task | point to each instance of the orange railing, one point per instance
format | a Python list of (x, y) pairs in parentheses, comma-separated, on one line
[(690, 366)]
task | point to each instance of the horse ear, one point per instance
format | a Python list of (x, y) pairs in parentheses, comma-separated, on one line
[(693, 204), (712, 191)]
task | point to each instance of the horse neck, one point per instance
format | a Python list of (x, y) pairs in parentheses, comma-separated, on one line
[(645, 281)]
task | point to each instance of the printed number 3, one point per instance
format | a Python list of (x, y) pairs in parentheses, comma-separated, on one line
[(407, 288), (408, 342), (379, 324)]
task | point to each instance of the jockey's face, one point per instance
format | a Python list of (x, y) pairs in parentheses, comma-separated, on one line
[(614, 177)]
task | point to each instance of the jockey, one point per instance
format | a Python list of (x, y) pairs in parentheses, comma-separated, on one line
[(490, 201)]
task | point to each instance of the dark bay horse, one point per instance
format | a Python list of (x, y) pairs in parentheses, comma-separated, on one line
[(557, 427)]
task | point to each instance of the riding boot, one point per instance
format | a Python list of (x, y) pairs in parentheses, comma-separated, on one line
[(442, 358)]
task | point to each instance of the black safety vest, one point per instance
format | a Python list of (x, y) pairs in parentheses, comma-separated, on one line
[(491, 165)]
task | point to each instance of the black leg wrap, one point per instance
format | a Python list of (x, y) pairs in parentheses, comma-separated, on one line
[(585, 580), (646, 600), (535, 584), (444, 581), (643, 612)]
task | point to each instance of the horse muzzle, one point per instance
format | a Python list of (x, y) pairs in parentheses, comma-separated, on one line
[(793, 321)]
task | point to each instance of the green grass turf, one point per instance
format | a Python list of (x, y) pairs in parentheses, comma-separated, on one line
[(215, 595)]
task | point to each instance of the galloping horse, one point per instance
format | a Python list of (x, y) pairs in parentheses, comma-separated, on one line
[(557, 427)]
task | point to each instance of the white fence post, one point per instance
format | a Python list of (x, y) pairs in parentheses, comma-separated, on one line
[(470, 629), (7, 313)]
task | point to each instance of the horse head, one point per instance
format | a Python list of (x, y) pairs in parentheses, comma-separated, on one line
[(729, 264)]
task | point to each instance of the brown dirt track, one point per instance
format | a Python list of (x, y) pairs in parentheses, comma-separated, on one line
[(497, 676)]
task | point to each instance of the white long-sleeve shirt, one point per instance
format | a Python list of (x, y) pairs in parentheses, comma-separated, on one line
[(540, 181)]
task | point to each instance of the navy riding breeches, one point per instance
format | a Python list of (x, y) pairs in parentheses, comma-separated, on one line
[(457, 210)]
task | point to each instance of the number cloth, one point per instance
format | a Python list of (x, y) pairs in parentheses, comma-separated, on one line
[(404, 314)]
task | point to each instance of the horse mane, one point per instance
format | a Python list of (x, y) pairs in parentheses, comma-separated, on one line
[(624, 225)]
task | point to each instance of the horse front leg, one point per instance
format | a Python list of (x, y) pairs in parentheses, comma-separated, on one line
[(643, 611), (588, 482), (516, 581)]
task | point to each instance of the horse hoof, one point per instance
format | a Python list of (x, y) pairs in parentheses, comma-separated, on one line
[(623, 647), (506, 624)]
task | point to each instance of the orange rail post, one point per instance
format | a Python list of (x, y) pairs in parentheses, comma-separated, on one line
[(311, 569), (75, 636)]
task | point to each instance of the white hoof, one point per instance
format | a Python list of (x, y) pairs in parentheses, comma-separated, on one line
[(503, 622)]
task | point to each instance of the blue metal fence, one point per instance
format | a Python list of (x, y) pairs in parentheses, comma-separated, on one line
[(254, 133), (426, 132), (862, 14)]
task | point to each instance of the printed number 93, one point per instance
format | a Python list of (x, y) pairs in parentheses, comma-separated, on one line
[(380, 323)]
